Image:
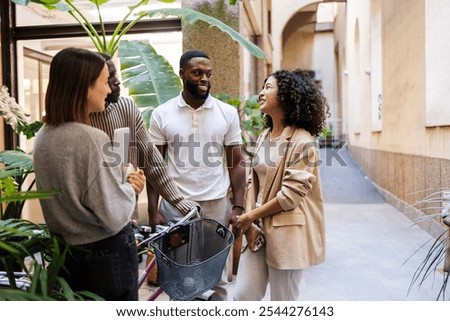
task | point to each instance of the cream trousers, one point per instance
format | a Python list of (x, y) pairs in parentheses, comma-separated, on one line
[(254, 275)]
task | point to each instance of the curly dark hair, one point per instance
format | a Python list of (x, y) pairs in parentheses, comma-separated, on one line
[(304, 104)]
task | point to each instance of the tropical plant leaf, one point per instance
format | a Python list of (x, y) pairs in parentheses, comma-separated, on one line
[(22, 235), (35, 280), (66, 289), (43, 282), (10, 173), (149, 77), (7, 185), (28, 195), (99, 2), (83, 295), (146, 114), (30, 130), (49, 4), (192, 16), (16, 159), (8, 248), (22, 227)]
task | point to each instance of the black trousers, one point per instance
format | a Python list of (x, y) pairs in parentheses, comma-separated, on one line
[(108, 268)]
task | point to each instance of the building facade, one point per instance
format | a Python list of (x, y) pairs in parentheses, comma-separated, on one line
[(392, 80)]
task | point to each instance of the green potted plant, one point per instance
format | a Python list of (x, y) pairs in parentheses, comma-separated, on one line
[(40, 257), (437, 258)]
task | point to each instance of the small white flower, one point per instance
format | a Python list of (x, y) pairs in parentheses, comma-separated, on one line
[(11, 110)]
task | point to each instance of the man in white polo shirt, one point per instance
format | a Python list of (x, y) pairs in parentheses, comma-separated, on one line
[(201, 136)]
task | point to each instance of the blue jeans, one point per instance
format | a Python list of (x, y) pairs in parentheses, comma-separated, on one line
[(108, 268)]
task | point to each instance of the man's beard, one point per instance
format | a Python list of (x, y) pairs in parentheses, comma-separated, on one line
[(192, 89), (113, 98)]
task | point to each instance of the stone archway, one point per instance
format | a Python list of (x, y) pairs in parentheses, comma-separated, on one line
[(307, 42)]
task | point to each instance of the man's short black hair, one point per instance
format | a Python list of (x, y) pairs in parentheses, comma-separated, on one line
[(188, 55)]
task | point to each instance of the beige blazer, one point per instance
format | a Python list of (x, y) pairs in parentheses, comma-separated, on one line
[(295, 237)]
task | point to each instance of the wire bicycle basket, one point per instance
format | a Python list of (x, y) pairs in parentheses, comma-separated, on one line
[(190, 257)]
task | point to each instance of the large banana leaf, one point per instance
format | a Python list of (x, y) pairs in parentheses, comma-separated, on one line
[(192, 16), (148, 76)]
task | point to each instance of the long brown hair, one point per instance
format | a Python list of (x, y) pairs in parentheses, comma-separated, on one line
[(72, 71)]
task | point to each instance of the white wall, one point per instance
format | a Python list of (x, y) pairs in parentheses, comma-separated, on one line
[(437, 13)]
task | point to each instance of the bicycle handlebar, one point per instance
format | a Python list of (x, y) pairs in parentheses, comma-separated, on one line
[(168, 228)]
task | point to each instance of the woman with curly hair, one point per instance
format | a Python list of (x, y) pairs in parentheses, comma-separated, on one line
[(284, 219)]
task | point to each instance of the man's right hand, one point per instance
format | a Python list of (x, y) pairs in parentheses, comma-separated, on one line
[(155, 218)]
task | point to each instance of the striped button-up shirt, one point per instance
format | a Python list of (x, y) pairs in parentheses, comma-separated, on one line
[(142, 153)]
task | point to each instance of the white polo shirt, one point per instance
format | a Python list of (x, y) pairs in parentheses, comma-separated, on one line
[(196, 140)]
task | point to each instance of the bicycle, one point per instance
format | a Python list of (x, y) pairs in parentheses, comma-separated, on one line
[(190, 256)]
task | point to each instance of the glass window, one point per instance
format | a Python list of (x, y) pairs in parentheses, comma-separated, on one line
[(36, 67)]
